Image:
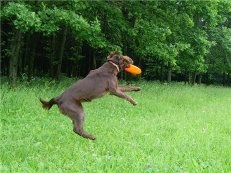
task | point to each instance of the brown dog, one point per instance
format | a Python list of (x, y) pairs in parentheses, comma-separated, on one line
[(96, 84)]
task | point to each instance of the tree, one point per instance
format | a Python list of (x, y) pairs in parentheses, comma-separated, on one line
[(170, 40), (31, 18)]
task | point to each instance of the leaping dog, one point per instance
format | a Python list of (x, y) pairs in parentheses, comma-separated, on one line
[(96, 84)]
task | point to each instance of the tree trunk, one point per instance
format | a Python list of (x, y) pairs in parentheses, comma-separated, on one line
[(60, 54), (34, 42), (162, 71), (27, 51), (169, 73), (194, 78), (14, 57), (190, 78), (229, 79), (93, 60), (223, 79), (52, 56), (200, 79), (207, 78)]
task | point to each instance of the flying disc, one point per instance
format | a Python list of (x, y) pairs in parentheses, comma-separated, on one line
[(133, 69)]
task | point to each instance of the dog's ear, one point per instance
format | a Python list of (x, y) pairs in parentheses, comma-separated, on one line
[(112, 56)]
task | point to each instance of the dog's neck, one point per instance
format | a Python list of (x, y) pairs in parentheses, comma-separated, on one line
[(115, 65)]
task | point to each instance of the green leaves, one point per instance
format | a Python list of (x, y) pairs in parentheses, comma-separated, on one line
[(22, 16), (49, 20), (189, 36)]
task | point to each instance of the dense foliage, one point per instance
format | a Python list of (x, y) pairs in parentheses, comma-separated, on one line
[(170, 40)]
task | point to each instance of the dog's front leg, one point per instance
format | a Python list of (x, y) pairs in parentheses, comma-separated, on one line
[(128, 88), (120, 94)]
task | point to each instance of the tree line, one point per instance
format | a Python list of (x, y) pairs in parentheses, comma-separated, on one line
[(172, 40)]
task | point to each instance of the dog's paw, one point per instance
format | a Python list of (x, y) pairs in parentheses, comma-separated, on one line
[(137, 89), (91, 137), (134, 103)]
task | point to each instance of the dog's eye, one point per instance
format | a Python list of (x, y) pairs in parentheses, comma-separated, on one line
[(116, 58)]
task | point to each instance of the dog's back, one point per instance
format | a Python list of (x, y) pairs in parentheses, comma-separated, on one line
[(94, 85)]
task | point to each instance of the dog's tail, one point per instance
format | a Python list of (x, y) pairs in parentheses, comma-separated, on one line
[(49, 104)]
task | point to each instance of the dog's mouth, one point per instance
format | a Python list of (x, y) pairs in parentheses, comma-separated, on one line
[(119, 61), (128, 66), (126, 62)]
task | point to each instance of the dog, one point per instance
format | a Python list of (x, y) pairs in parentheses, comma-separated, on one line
[(96, 84)]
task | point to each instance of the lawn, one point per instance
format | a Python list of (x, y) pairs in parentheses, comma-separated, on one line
[(174, 128)]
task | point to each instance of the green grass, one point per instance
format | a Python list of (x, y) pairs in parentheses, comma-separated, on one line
[(174, 128)]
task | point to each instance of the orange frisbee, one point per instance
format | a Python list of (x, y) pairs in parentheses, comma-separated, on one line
[(133, 69)]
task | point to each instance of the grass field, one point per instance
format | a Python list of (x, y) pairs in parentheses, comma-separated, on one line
[(174, 128)]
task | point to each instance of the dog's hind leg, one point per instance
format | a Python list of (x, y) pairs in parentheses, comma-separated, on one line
[(76, 113)]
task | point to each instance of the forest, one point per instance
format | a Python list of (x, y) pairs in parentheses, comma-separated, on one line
[(172, 40)]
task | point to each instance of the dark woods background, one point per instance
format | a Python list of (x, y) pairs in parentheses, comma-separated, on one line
[(170, 40)]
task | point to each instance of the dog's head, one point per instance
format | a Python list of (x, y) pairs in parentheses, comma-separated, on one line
[(120, 60)]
